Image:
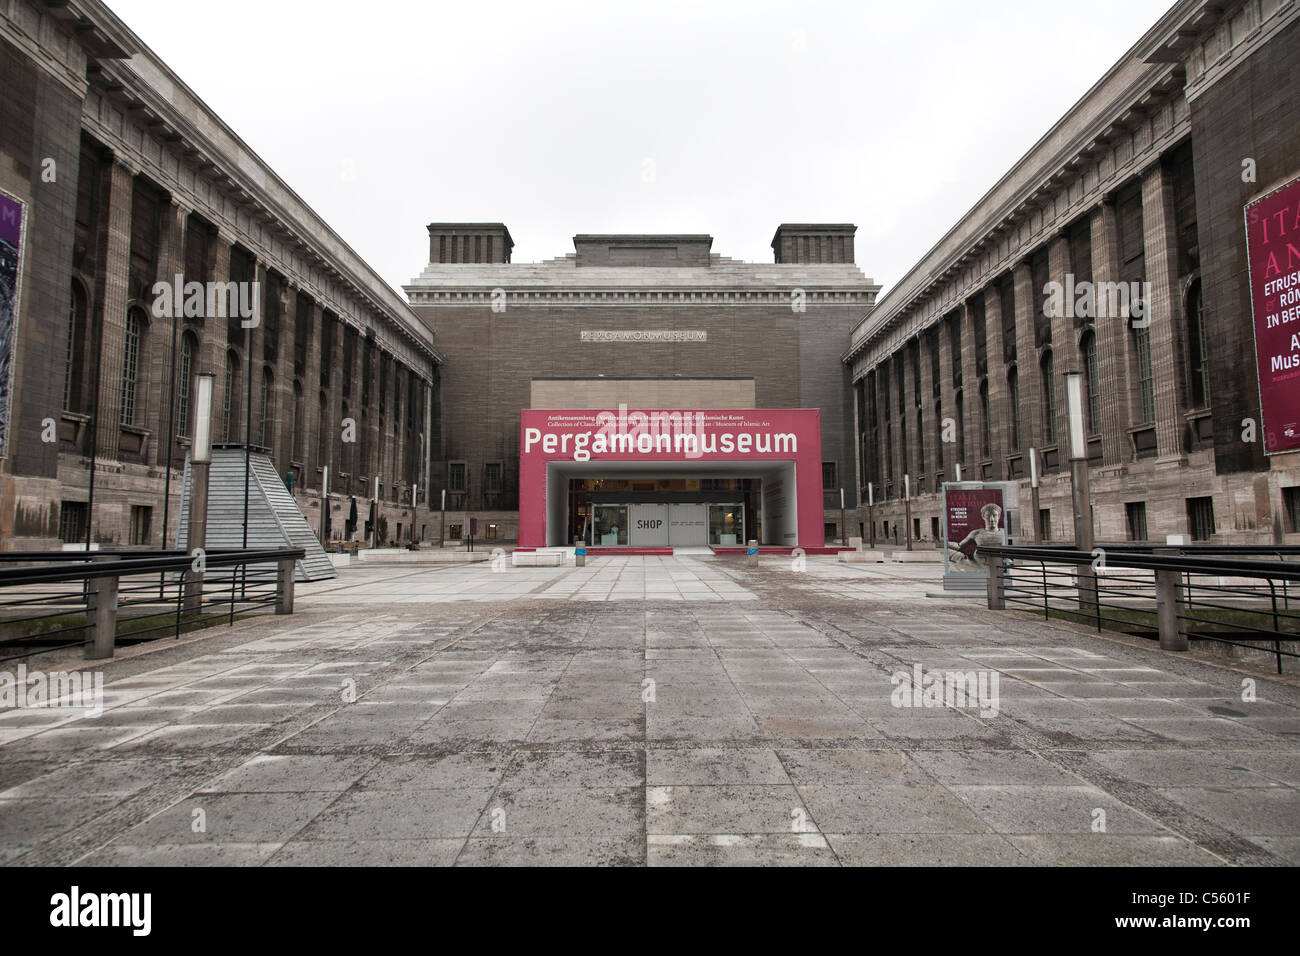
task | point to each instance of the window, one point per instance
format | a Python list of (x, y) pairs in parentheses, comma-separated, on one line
[(228, 396), (185, 384), (1145, 378), (265, 424), (1044, 524), (492, 531), (71, 387), (1135, 513), (456, 478), (828, 529), (323, 433), (916, 529), (130, 365), (492, 477), (1291, 504), (1200, 518), (295, 426), (1197, 348), (72, 521), (985, 443), (453, 531), (934, 528), (1049, 398), (828, 475), (1089, 350), (141, 519), (1013, 392)]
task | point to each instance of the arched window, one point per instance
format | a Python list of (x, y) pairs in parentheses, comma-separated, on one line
[(1197, 350), (228, 397), (185, 383), (1049, 397), (135, 327), (266, 424), (1088, 347), (1013, 393), (71, 362)]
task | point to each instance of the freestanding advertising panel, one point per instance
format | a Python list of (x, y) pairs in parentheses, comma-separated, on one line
[(974, 514)]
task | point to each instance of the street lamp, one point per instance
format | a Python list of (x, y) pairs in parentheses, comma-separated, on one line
[(1079, 496), (200, 466), (907, 509), (1033, 495)]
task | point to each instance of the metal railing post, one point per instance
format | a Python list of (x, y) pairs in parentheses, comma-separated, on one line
[(996, 585), (284, 586), (103, 617), (1168, 586)]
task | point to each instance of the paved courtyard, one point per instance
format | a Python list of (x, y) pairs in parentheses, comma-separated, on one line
[(686, 710)]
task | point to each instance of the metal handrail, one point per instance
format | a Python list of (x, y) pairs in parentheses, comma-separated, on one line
[(126, 566), (1093, 582)]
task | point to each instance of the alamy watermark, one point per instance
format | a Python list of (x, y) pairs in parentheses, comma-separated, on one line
[(1098, 300), (73, 690), (959, 689), (217, 300)]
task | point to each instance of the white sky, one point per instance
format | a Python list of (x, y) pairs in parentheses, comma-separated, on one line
[(559, 118)]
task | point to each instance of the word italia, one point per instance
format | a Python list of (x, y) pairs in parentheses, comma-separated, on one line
[(1100, 300), (198, 300), (74, 909), (77, 689), (946, 689)]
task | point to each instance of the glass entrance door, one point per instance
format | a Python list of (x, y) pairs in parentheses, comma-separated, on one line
[(610, 525), (727, 524)]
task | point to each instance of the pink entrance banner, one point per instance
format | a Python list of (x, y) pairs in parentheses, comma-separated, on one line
[(658, 436), (1273, 254)]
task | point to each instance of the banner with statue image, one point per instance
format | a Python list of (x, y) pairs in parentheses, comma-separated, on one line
[(11, 241)]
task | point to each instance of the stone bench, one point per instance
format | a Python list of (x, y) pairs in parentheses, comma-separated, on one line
[(862, 557), (537, 559)]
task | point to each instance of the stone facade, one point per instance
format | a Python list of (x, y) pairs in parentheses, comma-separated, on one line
[(130, 180), (661, 316), (1142, 182)]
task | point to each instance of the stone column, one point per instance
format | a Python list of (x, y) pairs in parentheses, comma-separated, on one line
[(1065, 348), (162, 397), (999, 406), (1031, 394), (337, 397), (284, 380), (213, 346), (947, 453), (311, 423), (929, 439), (112, 294), (370, 369), (912, 459), (1160, 248), (1112, 342), (970, 383), (897, 399)]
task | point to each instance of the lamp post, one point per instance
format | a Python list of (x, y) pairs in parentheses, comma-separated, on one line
[(200, 466), (442, 520), (871, 512), (1079, 496), (844, 528), (1033, 496), (325, 505), (415, 492), (907, 510), (958, 471)]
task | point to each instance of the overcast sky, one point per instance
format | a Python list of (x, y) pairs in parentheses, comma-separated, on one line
[(559, 118)]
